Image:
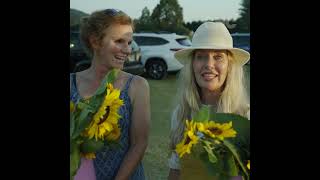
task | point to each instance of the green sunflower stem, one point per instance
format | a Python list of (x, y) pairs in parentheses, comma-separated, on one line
[(91, 146), (211, 156), (233, 150), (74, 160)]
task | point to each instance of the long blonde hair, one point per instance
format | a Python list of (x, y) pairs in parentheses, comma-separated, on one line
[(233, 99)]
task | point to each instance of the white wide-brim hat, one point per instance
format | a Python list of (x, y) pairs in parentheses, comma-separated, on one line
[(212, 35)]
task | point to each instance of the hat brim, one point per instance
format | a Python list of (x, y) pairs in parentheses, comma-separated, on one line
[(240, 56)]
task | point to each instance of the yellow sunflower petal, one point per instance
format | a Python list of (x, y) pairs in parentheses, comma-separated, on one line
[(115, 134), (101, 131), (229, 133), (189, 139), (108, 126), (107, 117), (201, 127), (92, 130), (226, 126), (110, 86)]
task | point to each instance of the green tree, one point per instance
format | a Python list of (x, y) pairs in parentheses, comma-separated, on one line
[(75, 16), (243, 21), (144, 23), (145, 16), (231, 24), (168, 16), (193, 25)]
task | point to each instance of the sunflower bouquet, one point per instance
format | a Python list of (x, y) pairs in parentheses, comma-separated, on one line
[(94, 122), (220, 141)]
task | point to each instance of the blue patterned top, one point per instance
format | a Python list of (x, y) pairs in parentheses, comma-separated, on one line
[(108, 161)]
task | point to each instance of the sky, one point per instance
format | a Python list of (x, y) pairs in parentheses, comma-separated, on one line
[(193, 10)]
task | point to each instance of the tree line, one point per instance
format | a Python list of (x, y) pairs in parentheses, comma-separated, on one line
[(167, 16)]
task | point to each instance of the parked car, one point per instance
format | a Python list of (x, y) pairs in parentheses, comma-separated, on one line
[(80, 61), (157, 52), (242, 41), (77, 53)]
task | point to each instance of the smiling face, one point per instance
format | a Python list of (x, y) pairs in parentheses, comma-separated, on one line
[(114, 48), (210, 68)]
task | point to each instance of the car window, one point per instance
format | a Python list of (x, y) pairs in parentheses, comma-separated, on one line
[(184, 41), (134, 46), (149, 41)]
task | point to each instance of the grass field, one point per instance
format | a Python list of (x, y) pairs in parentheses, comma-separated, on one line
[(162, 93)]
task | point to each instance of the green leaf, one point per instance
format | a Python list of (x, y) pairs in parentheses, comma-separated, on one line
[(230, 165), (96, 101), (235, 154), (202, 115), (242, 126), (84, 119), (226, 168), (91, 145), (72, 124), (81, 125), (74, 160), (83, 105), (212, 158), (214, 169), (113, 75), (109, 78), (113, 145)]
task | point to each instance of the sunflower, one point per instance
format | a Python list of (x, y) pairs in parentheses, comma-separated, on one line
[(189, 139), (114, 135), (88, 155), (216, 130), (107, 116)]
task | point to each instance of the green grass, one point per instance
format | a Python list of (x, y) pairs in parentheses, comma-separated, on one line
[(162, 94), (155, 159)]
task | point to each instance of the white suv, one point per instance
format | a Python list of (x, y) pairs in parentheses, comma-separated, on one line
[(157, 52)]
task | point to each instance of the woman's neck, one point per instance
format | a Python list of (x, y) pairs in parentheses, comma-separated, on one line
[(210, 97), (97, 72)]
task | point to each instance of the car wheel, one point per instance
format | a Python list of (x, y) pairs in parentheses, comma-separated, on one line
[(156, 69)]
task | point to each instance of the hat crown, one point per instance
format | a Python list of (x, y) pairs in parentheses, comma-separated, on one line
[(213, 34)]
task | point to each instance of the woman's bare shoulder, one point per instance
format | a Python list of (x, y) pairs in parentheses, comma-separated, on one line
[(140, 82), (139, 88)]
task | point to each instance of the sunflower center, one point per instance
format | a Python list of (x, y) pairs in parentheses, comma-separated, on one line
[(215, 131), (187, 141), (105, 116)]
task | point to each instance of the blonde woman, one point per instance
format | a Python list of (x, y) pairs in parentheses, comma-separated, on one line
[(212, 76)]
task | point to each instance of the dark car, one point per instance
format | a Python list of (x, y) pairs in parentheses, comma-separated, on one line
[(79, 60), (77, 53)]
